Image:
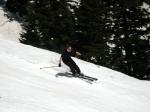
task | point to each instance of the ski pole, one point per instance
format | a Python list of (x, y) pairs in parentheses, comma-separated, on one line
[(48, 67)]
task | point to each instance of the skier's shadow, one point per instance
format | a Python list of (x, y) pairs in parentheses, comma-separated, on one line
[(64, 75)]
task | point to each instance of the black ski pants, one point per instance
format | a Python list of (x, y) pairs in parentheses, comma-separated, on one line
[(73, 66)]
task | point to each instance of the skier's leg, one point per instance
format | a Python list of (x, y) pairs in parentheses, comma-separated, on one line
[(70, 65), (73, 70), (76, 68)]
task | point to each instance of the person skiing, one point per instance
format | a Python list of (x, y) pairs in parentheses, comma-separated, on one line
[(66, 58)]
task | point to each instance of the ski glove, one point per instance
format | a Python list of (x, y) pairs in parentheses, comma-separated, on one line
[(59, 65)]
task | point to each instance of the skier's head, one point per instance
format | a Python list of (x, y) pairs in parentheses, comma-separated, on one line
[(68, 48)]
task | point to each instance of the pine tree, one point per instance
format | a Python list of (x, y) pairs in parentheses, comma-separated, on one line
[(129, 27), (18, 7), (2, 3), (52, 22), (89, 30)]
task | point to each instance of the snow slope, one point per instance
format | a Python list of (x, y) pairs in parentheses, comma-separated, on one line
[(24, 87), (9, 30)]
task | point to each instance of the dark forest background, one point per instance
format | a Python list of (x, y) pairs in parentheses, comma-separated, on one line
[(111, 33)]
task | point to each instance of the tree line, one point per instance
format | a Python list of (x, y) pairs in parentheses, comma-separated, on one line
[(111, 33)]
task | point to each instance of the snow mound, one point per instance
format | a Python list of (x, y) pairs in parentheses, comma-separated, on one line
[(9, 30)]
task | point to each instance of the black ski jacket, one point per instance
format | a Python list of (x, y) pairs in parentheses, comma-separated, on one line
[(66, 56)]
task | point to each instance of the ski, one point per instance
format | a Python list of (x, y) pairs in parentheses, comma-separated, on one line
[(83, 77), (87, 77)]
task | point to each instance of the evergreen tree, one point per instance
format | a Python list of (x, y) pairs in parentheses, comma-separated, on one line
[(52, 20), (18, 7), (129, 28), (90, 30), (2, 3)]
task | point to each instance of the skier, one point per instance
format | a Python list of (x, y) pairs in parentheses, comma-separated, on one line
[(66, 58)]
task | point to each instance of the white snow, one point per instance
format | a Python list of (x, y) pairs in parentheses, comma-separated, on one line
[(24, 87), (9, 30), (146, 6)]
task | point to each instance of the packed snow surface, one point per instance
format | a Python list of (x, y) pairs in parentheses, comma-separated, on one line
[(24, 87)]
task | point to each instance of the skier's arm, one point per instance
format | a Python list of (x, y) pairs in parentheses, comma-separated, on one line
[(75, 53), (78, 53), (60, 62)]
